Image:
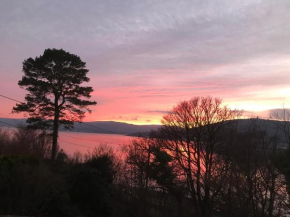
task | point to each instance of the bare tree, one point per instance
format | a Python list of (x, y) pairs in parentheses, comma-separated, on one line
[(193, 132), (23, 141), (138, 159)]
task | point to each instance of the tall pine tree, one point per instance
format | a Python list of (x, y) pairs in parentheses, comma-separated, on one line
[(55, 96)]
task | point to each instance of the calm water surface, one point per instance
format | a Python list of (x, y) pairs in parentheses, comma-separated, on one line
[(71, 142)]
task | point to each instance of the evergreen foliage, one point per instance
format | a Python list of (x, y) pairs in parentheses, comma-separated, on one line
[(55, 96)]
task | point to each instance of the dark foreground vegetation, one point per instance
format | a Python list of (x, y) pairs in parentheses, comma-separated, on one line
[(31, 185), (198, 164)]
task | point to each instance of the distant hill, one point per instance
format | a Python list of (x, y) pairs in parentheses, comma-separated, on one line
[(269, 125), (12, 122), (272, 128), (108, 127), (112, 127)]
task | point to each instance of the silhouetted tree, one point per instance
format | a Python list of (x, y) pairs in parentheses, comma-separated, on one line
[(163, 172), (283, 156), (193, 132), (55, 96), (91, 186), (139, 158), (24, 142)]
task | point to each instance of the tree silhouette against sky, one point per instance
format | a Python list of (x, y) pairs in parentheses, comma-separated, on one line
[(55, 96)]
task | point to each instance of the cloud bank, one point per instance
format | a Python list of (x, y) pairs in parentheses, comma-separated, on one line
[(148, 55)]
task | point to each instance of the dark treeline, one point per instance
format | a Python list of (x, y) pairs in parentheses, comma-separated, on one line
[(199, 163), (206, 166)]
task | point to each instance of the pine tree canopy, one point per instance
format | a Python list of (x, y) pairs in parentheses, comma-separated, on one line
[(53, 81)]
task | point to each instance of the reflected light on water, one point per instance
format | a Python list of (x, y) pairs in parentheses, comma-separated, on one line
[(72, 142)]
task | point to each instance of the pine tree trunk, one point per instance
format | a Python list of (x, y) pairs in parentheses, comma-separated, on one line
[(55, 134)]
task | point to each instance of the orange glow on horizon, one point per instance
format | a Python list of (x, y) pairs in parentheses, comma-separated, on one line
[(157, 122)]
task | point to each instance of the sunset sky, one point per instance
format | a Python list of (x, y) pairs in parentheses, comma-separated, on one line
[(146, 56)]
